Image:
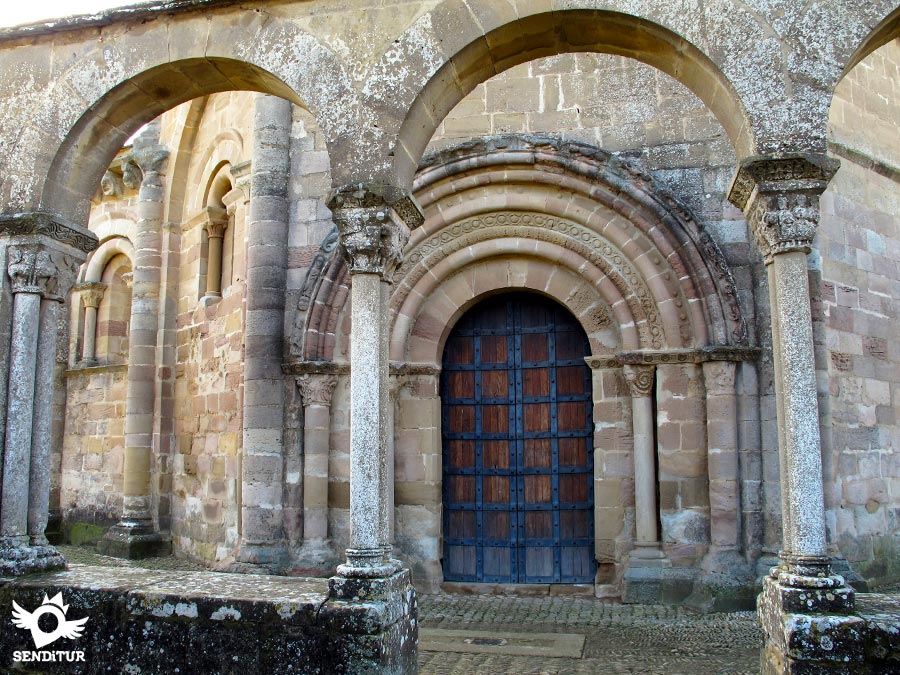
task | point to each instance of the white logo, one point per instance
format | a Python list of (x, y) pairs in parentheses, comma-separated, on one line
[(64, 629)]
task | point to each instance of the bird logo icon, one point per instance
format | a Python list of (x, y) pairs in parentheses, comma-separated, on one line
[(71, 630)]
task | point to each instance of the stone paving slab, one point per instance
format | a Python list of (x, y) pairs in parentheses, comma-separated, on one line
[(508, 644)]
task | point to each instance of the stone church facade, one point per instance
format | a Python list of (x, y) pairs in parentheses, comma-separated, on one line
[(590, 265)]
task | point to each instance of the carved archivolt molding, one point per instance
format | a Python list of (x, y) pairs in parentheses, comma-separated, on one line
[(542, 227)]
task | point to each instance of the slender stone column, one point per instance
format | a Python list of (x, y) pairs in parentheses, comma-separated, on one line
[(136, 535), (316, 390), (373, 228), (640, 380), (262, 546), (722, 456), (781, 200), (41, 272), (29, 269), (215, 231), (395, 385), (91, 296)]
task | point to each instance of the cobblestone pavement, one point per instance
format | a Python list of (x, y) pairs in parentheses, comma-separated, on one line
[(619, 639)]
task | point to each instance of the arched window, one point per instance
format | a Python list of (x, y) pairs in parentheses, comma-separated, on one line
[(218, 237)]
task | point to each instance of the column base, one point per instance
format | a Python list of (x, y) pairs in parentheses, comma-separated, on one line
[(650, 578), (374, 621), (726, 583), (315, 558), (18, 556), (134, 540), (257, 558), (807, 628)]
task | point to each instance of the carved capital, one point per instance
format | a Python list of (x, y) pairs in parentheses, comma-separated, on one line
[(152, 161), (91, 293), (216, 222), (128, 278), (780, 198), (640, 379), (373, 227), (316, 388), (34, 268), (719, 376), (395, 385)]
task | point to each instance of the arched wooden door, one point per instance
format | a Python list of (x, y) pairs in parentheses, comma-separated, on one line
[(517, 445)]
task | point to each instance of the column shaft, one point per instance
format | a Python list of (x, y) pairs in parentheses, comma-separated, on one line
[(262, 516), (366, 436), (20, 415), (640, 379), (805, 513), (42, 436), (722, 454), (89, 350)]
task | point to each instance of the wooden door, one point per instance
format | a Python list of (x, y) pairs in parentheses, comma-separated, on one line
[(517, 445)]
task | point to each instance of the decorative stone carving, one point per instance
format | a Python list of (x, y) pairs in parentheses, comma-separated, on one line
[(151, 159), (216, 222), (640, 380), (111, 184), (131, 174), (316, 388), (91, 293), (780, 198), (373, 229), (31, 270), (543, 227), (719, 377), (314, 274), (48, 225)]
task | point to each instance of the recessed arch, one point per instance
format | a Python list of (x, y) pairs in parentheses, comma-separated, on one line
[(109, 249), (103, 129), (496, 43)]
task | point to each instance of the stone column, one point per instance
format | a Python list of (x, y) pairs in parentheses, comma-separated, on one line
[(316, 390), (373, 228), (780, 198), (262, 546), (725, 583), (91, 296), (215, 232), (640, 380), (41, 267), (136, 535), (395, 385)]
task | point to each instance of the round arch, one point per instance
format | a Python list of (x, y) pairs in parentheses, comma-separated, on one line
[(480, 48)]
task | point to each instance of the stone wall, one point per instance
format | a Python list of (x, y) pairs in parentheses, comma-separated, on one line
[(858, 346)]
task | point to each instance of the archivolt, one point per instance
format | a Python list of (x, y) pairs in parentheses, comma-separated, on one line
[(604, 213)]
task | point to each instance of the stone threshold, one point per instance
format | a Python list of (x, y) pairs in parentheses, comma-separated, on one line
[(518, 590), (551, 645)]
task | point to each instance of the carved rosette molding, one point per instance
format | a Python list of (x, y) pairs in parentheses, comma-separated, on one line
[(373, 226), (91, 293), (780, 198), (721, 353), (48, 225), (316, 388), (639, 379)]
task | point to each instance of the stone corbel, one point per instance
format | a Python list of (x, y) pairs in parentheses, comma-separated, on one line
[(780, 198), (131, 173)]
